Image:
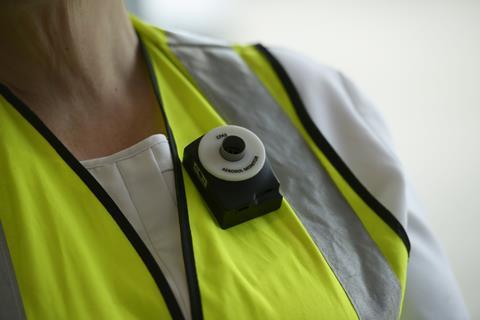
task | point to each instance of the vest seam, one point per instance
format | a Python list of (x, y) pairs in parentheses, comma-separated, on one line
[(184, 222), (352, 301)]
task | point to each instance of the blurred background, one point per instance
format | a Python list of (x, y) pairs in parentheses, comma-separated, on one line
[(418, 60)]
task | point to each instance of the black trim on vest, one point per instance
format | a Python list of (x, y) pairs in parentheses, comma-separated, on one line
[(185, 232), (322, 143), (102, 196)]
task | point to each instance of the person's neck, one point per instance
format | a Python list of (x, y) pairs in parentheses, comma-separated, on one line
[(59, 52)]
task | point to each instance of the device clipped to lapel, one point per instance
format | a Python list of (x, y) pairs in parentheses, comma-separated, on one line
[(230, 168)]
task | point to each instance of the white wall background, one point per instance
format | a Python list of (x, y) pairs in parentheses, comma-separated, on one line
[(418, 60)]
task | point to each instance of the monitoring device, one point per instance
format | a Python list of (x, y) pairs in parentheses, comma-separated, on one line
[(229, 167)]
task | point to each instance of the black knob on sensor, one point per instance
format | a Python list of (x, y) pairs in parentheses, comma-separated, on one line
[(233, 148)]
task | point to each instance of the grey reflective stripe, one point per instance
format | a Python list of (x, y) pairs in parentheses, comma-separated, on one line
[(240, 98), (183, 38), (11, 306)]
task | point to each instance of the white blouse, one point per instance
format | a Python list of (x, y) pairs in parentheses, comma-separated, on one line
[(140, 180)]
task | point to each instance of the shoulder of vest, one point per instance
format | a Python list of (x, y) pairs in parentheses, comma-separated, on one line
[(176, 38), (359, 139)]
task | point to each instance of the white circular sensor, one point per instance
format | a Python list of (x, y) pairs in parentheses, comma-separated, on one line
[(231, 153)]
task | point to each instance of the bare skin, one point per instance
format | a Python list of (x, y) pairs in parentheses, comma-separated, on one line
[(77, 64)]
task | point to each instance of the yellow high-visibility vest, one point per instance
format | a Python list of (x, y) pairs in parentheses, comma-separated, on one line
[(67, 252)]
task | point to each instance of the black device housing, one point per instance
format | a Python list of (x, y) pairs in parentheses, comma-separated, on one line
[(233, 202)]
